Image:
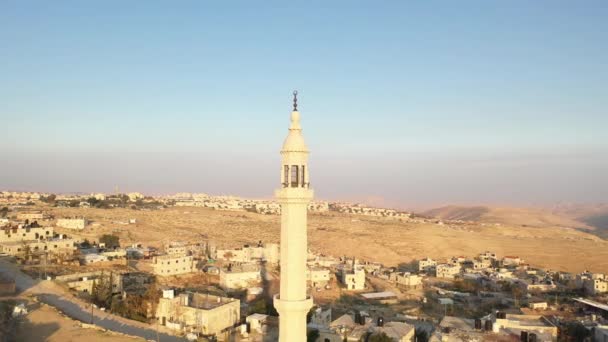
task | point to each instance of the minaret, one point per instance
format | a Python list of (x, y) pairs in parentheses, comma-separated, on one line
[(292, 303)]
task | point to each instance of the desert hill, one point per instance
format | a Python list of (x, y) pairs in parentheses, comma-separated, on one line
[(525, 217), (387, 240)]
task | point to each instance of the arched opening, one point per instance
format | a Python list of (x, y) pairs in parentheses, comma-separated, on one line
[(294, 176)]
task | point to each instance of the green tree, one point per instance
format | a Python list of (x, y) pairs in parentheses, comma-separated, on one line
[(102, 290), (422, 335), (313, 335), (111, 241), (3, 211), (381, 337), (574, 331)]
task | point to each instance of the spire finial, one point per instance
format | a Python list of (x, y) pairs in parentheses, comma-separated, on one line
[(295, 100)]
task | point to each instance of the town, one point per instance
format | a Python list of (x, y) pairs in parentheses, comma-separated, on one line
[(209, 291)]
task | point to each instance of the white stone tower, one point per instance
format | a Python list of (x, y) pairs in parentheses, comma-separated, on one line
[(292, 302)]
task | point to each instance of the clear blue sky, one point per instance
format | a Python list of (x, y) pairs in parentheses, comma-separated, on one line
[(406, 103)]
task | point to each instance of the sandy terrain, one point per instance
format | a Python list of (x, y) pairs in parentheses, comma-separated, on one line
[(389, 241), (46, 324)]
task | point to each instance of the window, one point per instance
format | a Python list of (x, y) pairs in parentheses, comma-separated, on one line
[(285, 175), (294, 176), (303, 176)]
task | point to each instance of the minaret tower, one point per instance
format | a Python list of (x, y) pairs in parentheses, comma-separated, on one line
[(293, 303)]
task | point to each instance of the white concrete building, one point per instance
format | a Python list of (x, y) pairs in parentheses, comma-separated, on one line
[(198, 312), (72, 223), (167, 265), (318, 277), (240, 278), (353, 278), (426, 264), (447, 270)]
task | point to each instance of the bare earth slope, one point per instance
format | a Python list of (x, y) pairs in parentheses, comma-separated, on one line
[(530, 217), (389, 241)]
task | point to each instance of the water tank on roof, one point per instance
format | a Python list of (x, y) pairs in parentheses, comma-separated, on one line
[(523, 336), (477, 324), (532, 337), (380, 321)]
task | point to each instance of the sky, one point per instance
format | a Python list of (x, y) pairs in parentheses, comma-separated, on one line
[(403, 104)]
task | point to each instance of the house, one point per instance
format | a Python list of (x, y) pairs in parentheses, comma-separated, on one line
[(406, 279), (318, 277), (85, 281), (72, 223), (511, 261), (397, 331), (197, 312), (538, 305), (240, 277), (447, 270), (426, 264), (595, 283), (168, 265), (353, 278)]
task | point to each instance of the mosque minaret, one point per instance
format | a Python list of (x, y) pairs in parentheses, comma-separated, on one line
[(292, 302)]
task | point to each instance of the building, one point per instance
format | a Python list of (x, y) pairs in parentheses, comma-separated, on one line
[(530, 324), (72, 223), (197, 312), (318, 277), (25, 232), (426, 264), (447, 270), (601, 333), (85, 281), (295, 194), (538, 305), (31, 216), (240, 277), (353, 278), (594, 283), (261, 252), (408, 279), (396, 331), (168, 264), (512, 261)]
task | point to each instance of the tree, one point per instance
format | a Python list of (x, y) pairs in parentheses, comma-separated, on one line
[(575, 331), (102, 291), (382, 337), (422, 335), (313, 335), (111, 241), (3, 211)]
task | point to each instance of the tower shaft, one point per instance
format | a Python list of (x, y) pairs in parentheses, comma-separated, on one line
[(292, 302)]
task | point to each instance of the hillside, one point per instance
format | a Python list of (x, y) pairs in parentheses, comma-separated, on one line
[(528, 217), (386, 240)]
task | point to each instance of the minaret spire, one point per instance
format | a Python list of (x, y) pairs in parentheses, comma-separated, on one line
[(295, 100)]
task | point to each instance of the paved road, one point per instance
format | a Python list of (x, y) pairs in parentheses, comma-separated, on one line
[(54, 295)]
